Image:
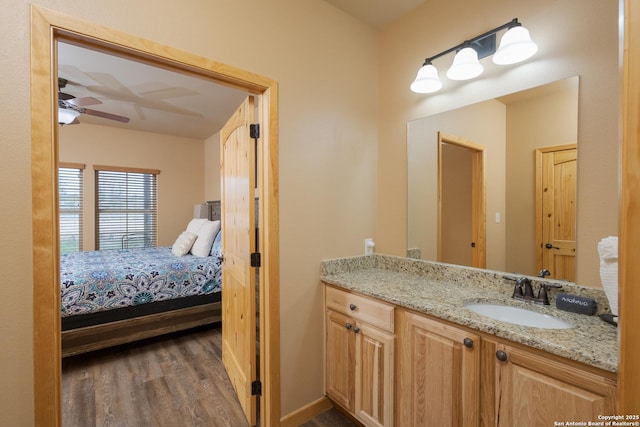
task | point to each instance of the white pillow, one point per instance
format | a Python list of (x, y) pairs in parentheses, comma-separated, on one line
[(206, 234), (195, 224), (183, 243)]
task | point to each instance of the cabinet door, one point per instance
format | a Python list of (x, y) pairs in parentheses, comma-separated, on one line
[(340, 359), (532, 390), (439, 374), (374, 376)]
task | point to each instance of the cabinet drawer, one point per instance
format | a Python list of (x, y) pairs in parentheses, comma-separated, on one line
[(373, 312)]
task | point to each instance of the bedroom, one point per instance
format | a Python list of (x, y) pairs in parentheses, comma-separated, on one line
[(165, 125), (173, 141)]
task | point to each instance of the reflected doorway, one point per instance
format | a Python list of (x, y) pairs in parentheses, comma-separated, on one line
[(461, 201), (556, 195)]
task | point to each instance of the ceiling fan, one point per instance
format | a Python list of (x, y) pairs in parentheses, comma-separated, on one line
[(70, 107)]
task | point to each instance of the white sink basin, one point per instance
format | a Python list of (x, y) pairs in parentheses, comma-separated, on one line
[(518, 316)]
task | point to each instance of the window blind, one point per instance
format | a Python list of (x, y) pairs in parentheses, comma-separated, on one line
[(70, 199), (126, 208)]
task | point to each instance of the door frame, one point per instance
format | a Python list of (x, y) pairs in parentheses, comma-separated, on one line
[(47, 27), (478, 196), (629, 214)]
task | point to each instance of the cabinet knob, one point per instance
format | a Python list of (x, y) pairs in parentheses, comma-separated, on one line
[(501, 355), (352, 307), (348, 325), (468, 342), (356, 329)]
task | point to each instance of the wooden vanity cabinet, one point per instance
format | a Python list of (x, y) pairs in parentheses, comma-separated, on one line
[(359, 356), (526, 387), (447, 375), (439, 373)]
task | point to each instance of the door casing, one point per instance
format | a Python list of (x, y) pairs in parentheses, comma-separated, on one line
[(48, 27)]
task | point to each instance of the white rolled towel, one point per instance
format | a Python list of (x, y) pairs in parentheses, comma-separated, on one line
[(608, 250)]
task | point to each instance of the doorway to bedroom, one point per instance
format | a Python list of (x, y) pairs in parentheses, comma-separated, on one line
[(49, 28)]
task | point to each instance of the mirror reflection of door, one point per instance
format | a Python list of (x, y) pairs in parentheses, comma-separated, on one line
[(556, 174), (462, 205)]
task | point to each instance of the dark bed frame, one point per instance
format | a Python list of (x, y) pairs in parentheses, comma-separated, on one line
[(94, 331)]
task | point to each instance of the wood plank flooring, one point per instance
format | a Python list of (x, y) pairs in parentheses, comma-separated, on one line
[(172, 381)]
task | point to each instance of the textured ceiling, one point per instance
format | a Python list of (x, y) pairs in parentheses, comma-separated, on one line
[(155, 99)]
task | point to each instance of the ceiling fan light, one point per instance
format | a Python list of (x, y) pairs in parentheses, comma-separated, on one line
[(66, 116), (465, 65), (427, 80), (515, 46)]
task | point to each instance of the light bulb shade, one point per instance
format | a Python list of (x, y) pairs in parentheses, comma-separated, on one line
[(66, 116), (465, 65), (427, 80), (515, 46)]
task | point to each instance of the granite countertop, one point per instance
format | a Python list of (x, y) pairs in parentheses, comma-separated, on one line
[(442, 291)]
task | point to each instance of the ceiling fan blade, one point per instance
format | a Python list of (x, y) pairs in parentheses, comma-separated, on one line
[(85, 101), (65, 96), (106, 115)]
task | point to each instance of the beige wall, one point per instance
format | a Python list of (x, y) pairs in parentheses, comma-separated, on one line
[(212, 168), (575, 37), (324, 62), (180, 183)]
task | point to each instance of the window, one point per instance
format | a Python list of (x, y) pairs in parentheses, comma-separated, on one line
[(70, 199), (126, 207)]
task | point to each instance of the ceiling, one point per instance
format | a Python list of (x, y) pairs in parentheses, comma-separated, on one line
[(156, 100), (161, 101)]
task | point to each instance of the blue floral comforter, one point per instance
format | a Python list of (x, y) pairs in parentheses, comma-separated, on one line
[(103, 280)]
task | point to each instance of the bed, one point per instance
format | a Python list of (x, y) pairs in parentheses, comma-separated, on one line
[(119, 296)]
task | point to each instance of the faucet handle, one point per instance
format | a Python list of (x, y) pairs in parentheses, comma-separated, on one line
[(517, 290), (543, 296)]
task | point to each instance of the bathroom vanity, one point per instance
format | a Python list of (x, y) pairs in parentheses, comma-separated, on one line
[(403, 349)]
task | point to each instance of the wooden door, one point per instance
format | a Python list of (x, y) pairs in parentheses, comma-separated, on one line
[(556, 170), (456, 222), (239, 242), (532, 390), (476, 242), (340, 362), (439, 374)]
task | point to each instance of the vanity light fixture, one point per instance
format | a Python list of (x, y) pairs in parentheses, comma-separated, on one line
[(515, 46)]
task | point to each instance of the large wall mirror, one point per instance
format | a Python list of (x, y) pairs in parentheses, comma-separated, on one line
[(518, 132)]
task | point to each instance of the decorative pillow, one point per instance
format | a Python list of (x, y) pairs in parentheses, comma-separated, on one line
[(216, 248), (206, 234), (195, 225), (183, 243)]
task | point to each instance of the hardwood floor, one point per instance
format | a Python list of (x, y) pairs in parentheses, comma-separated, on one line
[(175, 380)]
